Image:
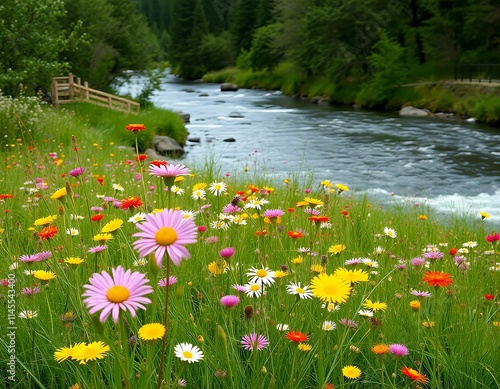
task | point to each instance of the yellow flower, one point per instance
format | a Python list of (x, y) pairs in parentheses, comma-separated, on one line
[(219, 267), (330, 288), (90, 352), (351, 372), (422, 217), (297, 261), (375, 305), (44, 275), (73, 261), (201, 185), (311, 202), (304, 347), (64, 353), (484, 215), (113, 225), (59, 193), (352, 276), (428, 324), (151, 331), (45, 220), (280, 273), (341, 188), (326, 183), (415, 305), (103, 237), (336, 249), (317, 268)]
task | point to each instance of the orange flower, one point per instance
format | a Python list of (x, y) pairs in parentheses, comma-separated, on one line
[(290, 210), (296, 336), (131, 203), (6, 196), (319, 219), (414, 375), (100, 180), (295, 234), (135, 127), (380, 349), (158, 163), (48, 232), (437, 278)]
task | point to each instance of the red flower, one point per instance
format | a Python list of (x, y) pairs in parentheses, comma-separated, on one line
[(414, 375), (296, 336), (135, 127), (453, 251), (437, 278), (290, 210), (158, 163), (259, 233), (97, 217), (345, 213), (253, 188), (6, 196), (48, 232), (493, 238), (319, 219), (100, 180), (131, 203), (489, 297), (141, 157), (295, 234)]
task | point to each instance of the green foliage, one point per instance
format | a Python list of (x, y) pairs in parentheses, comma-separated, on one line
[(244, 61), (264, 54), (389, 70), (487, 110), (31, 41), (217, 51), (244, 23)]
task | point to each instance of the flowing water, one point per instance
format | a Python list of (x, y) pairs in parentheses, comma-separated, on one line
[(452, 165)]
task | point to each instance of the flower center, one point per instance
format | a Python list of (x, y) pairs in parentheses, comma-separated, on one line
[(300, 290), (255, 287), (117, 294), (165, 236), (187, 354), (261, 273)]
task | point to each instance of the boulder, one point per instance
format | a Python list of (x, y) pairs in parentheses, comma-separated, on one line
[(154, 155), (357, 106), (315, 99), (185, 116), (229, 140), (203, 94), (228, 87), (194, 140), (236, 115), (412, 111), (324, 101), (165, 145)]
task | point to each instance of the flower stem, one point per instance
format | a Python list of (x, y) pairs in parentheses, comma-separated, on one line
[(165, 318)]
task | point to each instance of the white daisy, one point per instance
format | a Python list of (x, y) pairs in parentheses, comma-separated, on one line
[(282, 327), (390, 232), (253, 290), (72, 231), (328, 325), (365, 313), (217, 188), (198, 194), (302, 292), (28, 314), (75, 217), (138, 217), (177, 190), (219, 225), (118, 188), (256, 203), (187, 352), (263, 276), (470, 244)]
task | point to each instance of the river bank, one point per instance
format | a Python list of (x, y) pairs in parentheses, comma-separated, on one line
[(446, 99)]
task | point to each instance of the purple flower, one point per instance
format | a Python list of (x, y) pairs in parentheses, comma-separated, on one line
[(211, 240), (27, 258), (77, 172), (398, 350), (239, 288), (43, 255), (97, 209), (230, 208), (419, 293), (227, 252), (418, 261), (433, 255), (353, 261), (30, 291), (252, 341), (348, 323), (171, 280), (120, 291), (230, 301), (273, 213), (459, 259), (97, 249)]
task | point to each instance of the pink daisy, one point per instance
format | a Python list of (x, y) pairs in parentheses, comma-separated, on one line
[(230, 301), (171, 280), (165, 231), (252, 341), (398, 350), (97, 249), (125, 290), (433, 255), (168, 170), (273, 213), (227, 252), (77, 172)]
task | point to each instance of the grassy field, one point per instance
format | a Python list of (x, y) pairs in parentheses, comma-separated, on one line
[(286, 285)]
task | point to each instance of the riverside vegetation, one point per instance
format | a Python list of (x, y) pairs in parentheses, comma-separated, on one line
[(135, 273)]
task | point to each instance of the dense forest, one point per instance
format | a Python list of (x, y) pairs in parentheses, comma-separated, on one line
[(369, 41)]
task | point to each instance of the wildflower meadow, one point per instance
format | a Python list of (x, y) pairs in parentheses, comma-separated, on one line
[(119, 271)]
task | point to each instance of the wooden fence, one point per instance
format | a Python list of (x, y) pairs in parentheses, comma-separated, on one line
[(68, 89)]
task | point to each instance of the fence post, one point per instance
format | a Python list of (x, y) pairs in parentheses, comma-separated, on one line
[(110, 101), (480, 73), (491, 70), (86, 85), (55, 96)]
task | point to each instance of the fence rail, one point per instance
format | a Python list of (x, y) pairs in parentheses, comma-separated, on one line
[(68, 89), (478, 72)]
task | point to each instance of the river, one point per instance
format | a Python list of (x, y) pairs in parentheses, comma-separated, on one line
[(453, 166)]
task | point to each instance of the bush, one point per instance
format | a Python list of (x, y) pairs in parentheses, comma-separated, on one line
[(217, 51)]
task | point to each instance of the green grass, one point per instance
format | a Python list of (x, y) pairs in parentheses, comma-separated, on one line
[(458, 351)]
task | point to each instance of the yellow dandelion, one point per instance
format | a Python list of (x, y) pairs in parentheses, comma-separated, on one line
[(428, 324), (64, 353), (73, 261), (317, 268), (341, 188), (103, 237), (484, 215), (330, 288), (44, 275), (59, 194), (353, 276), (375, 305), (90, 352), (217, 267), (151, 331), (45, 220), (304, 347), (336, 249), (201, 185), (280, 273), (297, 260), (311, 202), (113, 225), (351, 372)]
